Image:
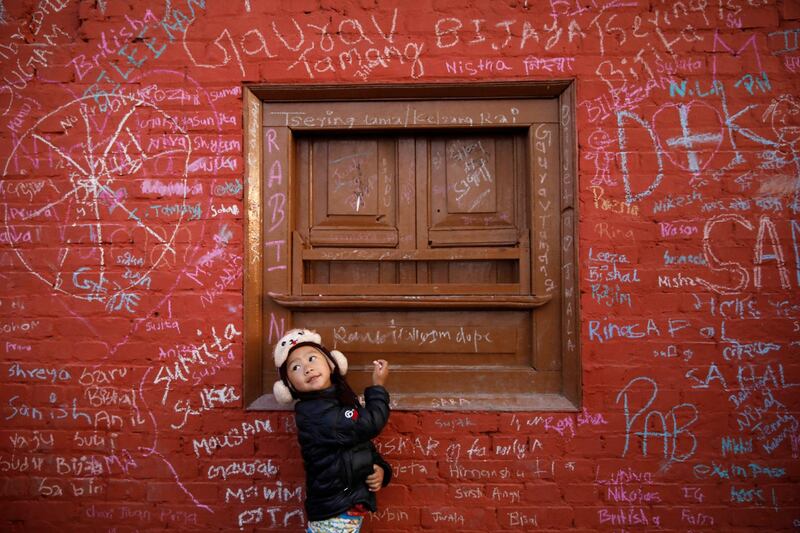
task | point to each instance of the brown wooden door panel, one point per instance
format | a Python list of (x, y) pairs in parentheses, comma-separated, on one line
[(472, 271), (427, 338), (463, 383), (476, 272), (354, 272), (472, 184), (352, 187)]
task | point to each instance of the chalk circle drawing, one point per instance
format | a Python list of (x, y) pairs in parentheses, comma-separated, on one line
[(84, 212), (783, 116)]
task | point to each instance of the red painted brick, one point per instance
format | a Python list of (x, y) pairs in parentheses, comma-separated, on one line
[(402, 422)]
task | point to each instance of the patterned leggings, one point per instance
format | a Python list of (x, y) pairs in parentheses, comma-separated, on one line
[(344, 523)]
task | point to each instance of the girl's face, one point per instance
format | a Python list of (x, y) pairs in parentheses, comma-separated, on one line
[(308, 369)]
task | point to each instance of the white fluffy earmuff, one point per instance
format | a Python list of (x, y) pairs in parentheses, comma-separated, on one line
[(341, 361), (282, 392)]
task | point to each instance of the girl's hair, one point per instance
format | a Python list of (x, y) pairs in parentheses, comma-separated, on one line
[(344, 393)]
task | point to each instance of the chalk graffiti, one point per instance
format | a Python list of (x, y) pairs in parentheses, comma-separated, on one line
[(94, 165), (678, 442)]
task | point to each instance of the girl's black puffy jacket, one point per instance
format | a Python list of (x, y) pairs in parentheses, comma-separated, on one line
[(338, 454)]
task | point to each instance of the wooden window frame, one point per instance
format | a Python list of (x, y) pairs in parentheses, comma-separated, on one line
[(259, 373)]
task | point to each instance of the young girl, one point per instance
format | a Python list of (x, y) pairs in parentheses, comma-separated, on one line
[(343, 469)]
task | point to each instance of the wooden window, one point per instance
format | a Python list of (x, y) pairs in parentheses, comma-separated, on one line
[(433, 226)]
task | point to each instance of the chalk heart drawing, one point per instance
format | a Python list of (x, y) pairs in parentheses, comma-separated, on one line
[(100, 247), (690, 134)]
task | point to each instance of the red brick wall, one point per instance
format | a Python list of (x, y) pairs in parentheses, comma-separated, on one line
[(121, 256)]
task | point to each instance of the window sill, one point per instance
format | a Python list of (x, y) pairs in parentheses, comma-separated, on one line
[(430, 402), (505, 301)]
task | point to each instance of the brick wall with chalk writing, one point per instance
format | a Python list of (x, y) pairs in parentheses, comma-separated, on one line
[(121, 265)]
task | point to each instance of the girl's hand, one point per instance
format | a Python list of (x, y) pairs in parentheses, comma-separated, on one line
[(380, 373), (375, 479)]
